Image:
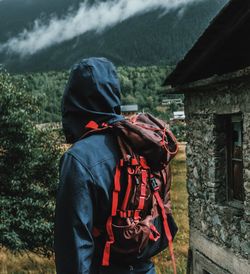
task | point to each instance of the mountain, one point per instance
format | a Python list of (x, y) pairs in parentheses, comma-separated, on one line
[(149, 38)]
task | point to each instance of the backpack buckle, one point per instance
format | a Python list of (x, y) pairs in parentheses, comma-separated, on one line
[(134, 161), (131, 161), (153, 184)]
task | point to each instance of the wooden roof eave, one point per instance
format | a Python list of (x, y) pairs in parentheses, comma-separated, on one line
[(209, 42), (204, 84)]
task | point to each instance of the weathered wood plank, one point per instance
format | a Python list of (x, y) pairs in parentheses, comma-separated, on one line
[(228, 261)]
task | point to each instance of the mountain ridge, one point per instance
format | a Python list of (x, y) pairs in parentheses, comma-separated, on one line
[(151, 38)]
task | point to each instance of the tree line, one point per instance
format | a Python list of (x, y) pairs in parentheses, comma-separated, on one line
[(139, 85)]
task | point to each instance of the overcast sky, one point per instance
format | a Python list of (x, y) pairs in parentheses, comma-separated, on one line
[(85, 18)]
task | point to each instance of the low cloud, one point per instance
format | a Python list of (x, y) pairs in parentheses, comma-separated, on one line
[(97, 17)]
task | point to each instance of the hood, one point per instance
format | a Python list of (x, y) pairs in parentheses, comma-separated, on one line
[(91, 94)]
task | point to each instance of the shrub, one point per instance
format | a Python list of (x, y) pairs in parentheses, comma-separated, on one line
[(179, 131), (28, 172)]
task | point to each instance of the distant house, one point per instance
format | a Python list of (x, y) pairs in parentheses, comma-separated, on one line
[(215, 79), (178, 116), (169, 101), (129, 110)]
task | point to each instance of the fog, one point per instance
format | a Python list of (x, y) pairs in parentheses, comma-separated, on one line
[(97, 18)]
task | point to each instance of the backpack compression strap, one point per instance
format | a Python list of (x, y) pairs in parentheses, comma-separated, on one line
[(115, 195), (93, 127), (167, 231)]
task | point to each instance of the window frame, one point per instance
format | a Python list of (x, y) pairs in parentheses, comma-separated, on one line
[(232, 195), (227, 123)]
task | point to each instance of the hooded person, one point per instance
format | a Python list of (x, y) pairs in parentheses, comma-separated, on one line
[(87, 170)]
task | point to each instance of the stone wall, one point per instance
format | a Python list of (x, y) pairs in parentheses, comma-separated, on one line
[(225, 224)]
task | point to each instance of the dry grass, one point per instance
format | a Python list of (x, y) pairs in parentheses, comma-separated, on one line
[(179, 199), (32, 264), (26, 263)]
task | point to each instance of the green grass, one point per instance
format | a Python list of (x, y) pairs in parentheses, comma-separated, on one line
[(32, 264)]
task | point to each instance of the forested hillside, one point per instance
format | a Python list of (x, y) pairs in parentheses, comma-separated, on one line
[(152, 38), (139, 85)]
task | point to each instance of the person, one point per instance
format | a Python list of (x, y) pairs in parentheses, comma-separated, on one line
[(87, 171)]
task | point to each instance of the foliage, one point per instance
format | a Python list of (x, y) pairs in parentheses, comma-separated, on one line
[(48, 87), (139, 85), (28, 171), (143, 86), (179, 130)]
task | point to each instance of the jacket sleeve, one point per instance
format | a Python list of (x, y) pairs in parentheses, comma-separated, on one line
[(74, 245)]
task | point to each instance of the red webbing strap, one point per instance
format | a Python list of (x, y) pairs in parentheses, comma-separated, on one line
[(117, 189), (127, 194), (129, 213), (143, 163), (92, 125), (166, 229), (109, 242), (111, 239), (144, 175), (165, 143), (94, 130), (154, 233)]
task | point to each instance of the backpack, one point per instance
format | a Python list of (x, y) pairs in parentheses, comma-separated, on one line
[(140, 224)]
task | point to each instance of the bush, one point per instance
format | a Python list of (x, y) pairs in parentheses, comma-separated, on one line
[(28, 172), (179, 131)]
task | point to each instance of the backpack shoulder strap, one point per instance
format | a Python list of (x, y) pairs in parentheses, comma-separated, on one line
[(92, 127)]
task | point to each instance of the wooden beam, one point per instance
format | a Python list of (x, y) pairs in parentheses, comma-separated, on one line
[(223, 257), (214, 80), (212, 40)]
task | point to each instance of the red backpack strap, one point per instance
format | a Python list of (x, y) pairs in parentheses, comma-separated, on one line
[(92, 127), (117, 189), (115, 196), (127, 194), (144, 181), (155, 189), (109, 242), (127, 157), (132, 163)]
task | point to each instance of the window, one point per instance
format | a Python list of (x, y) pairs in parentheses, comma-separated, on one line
[(235, 159), (231, 127)]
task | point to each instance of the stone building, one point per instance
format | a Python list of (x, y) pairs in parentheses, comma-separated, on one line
[(215, 79)]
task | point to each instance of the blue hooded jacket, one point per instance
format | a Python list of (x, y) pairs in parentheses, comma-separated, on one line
[(87, 170)]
